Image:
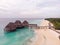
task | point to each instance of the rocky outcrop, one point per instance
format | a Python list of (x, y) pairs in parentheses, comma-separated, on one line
[(17, 25)]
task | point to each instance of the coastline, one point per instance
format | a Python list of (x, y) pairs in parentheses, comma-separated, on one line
[(19, 36), (45, 36), (55, 22)]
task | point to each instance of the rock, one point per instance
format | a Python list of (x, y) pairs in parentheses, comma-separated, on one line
[(25, 24), (10, 27)]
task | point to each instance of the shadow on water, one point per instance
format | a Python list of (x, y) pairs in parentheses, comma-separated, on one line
[(8, 34), (17, 37), (18, 29)]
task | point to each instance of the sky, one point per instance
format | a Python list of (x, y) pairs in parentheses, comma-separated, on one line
[(29, 8)]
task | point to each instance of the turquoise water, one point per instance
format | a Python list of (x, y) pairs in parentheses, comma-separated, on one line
[(16, 38)]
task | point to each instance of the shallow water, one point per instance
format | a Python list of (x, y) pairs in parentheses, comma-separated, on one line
[(18, 37)]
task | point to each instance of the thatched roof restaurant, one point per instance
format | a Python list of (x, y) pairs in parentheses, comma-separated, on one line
[(17, 25), (25, 24), (10, 27)]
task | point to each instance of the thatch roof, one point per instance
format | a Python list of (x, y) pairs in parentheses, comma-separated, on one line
[(18, 23), (13, 26), (10, 27), (10, 24), (25, 23)]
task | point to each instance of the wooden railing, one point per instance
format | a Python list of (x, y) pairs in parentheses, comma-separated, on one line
[(35, 26)]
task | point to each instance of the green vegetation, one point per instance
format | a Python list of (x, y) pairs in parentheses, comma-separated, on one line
[(55, 21)]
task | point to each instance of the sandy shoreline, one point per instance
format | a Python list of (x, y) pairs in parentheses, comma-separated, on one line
[(45, 36)]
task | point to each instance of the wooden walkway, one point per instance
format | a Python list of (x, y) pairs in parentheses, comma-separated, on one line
[(44, 25), (35, 26)]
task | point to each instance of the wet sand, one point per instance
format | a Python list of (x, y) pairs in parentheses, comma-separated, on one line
[(46, 36)]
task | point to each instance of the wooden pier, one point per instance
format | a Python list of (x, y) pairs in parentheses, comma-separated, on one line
[(35, 26)]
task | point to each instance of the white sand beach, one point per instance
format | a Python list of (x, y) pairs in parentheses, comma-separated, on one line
[(46, 36)]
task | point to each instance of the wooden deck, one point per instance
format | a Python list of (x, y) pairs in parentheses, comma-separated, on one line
[(32, 26), (35, 26)]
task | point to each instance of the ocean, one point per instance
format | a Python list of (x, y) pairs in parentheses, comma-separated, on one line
[(18, 37)]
